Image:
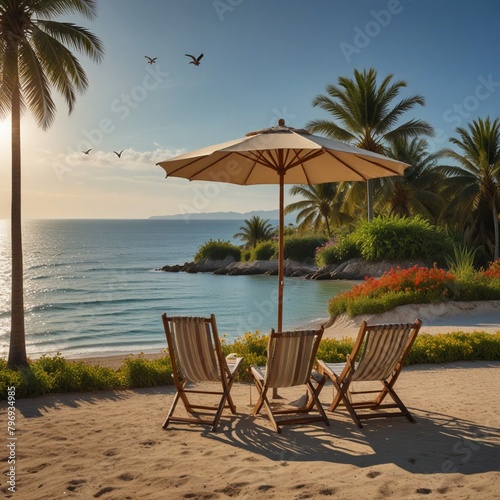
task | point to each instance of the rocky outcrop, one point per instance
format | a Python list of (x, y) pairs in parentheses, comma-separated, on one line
[(229, 267), (358, 269), (353, 269)]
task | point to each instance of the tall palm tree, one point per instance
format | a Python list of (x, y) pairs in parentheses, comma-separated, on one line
[(365, 116), (33, 58), (475, 183), (255, 230), (416, 192), (319, 208)]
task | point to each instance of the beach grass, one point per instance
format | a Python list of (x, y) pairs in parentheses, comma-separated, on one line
[(55, 374)]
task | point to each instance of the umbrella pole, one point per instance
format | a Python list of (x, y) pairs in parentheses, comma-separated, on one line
[(281, 260), (281, 257)]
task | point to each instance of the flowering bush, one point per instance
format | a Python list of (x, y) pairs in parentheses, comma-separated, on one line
[(493, 270), (397, 287)]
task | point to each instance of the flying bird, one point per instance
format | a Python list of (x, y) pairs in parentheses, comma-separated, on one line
[(151, 60), (195, 60), (87, 152), (118, 154)]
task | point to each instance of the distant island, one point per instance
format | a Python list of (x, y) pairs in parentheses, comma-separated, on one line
[(264, 214)]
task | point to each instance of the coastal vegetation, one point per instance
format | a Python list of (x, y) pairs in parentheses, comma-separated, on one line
[(388, 237), (255, 230), (218, 250), (417, 285), (55, 374), (365, 115)]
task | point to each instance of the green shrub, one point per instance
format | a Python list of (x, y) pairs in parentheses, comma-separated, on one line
[(455, 346), (301, 249), (141, 372), (336, 252), (401, 238), (218, 250), (55, 374), (265, 250), (252, 346), (246, 255), (334, 351)]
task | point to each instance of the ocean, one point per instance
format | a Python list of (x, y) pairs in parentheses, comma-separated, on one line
[(92, 287)]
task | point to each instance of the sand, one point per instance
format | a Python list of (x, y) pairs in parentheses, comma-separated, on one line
[(446, 317), (111, 445)]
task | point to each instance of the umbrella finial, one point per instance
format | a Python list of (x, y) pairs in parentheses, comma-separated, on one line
[(281, 122)]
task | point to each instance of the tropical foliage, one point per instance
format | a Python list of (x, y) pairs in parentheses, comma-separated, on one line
[(218, 250), (34, 57), (319, 209), (366, 116), (393, 238), (254, 231), (474, 185), (417, 285)]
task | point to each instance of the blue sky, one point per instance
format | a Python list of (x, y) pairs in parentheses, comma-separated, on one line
[(264, 60)]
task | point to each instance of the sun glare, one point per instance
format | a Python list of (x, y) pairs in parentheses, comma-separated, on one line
[(4, 133), (4, 128)]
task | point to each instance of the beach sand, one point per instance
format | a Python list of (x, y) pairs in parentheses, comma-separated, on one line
[(111, 445)]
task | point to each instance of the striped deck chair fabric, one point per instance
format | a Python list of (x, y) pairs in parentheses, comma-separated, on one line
[(378, 355), (196, 356), (291, 356)]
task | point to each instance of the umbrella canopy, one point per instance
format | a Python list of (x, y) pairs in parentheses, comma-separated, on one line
[(281, 155)]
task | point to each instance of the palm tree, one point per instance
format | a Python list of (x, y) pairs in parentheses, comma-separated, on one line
[(474, 185), (417, 191), (255, 230), (33, 57), (319, 208), (366, 118)]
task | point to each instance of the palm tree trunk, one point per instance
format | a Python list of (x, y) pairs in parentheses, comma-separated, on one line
[(495, 227), (369, 198), (17, 348)]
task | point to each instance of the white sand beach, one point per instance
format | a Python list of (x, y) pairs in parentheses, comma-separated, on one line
[(436, 318), (111, 445)]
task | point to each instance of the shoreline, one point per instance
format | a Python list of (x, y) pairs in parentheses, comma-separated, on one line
[(447, 317)]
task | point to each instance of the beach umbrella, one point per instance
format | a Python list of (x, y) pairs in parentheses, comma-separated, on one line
[(281, 155)]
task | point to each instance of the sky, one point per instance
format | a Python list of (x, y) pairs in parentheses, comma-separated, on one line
[(263, 60)]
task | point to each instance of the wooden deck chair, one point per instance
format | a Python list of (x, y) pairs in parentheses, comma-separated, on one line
[(196, 355), (290, 360), (383, 349)]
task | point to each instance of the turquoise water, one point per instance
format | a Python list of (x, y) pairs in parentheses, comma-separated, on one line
[(92, 286)]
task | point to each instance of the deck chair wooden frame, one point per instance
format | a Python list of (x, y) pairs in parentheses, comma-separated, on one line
[(196, 355), (382, 351), (291, 356)]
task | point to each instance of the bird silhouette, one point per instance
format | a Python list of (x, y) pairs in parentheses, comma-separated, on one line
[(87, 152), (118, 154), (195, 60), (151, 60)]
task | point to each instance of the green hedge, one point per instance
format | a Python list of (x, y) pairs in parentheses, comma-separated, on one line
[(218, 250), (54, 374), (302, 249), (401, 238)]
